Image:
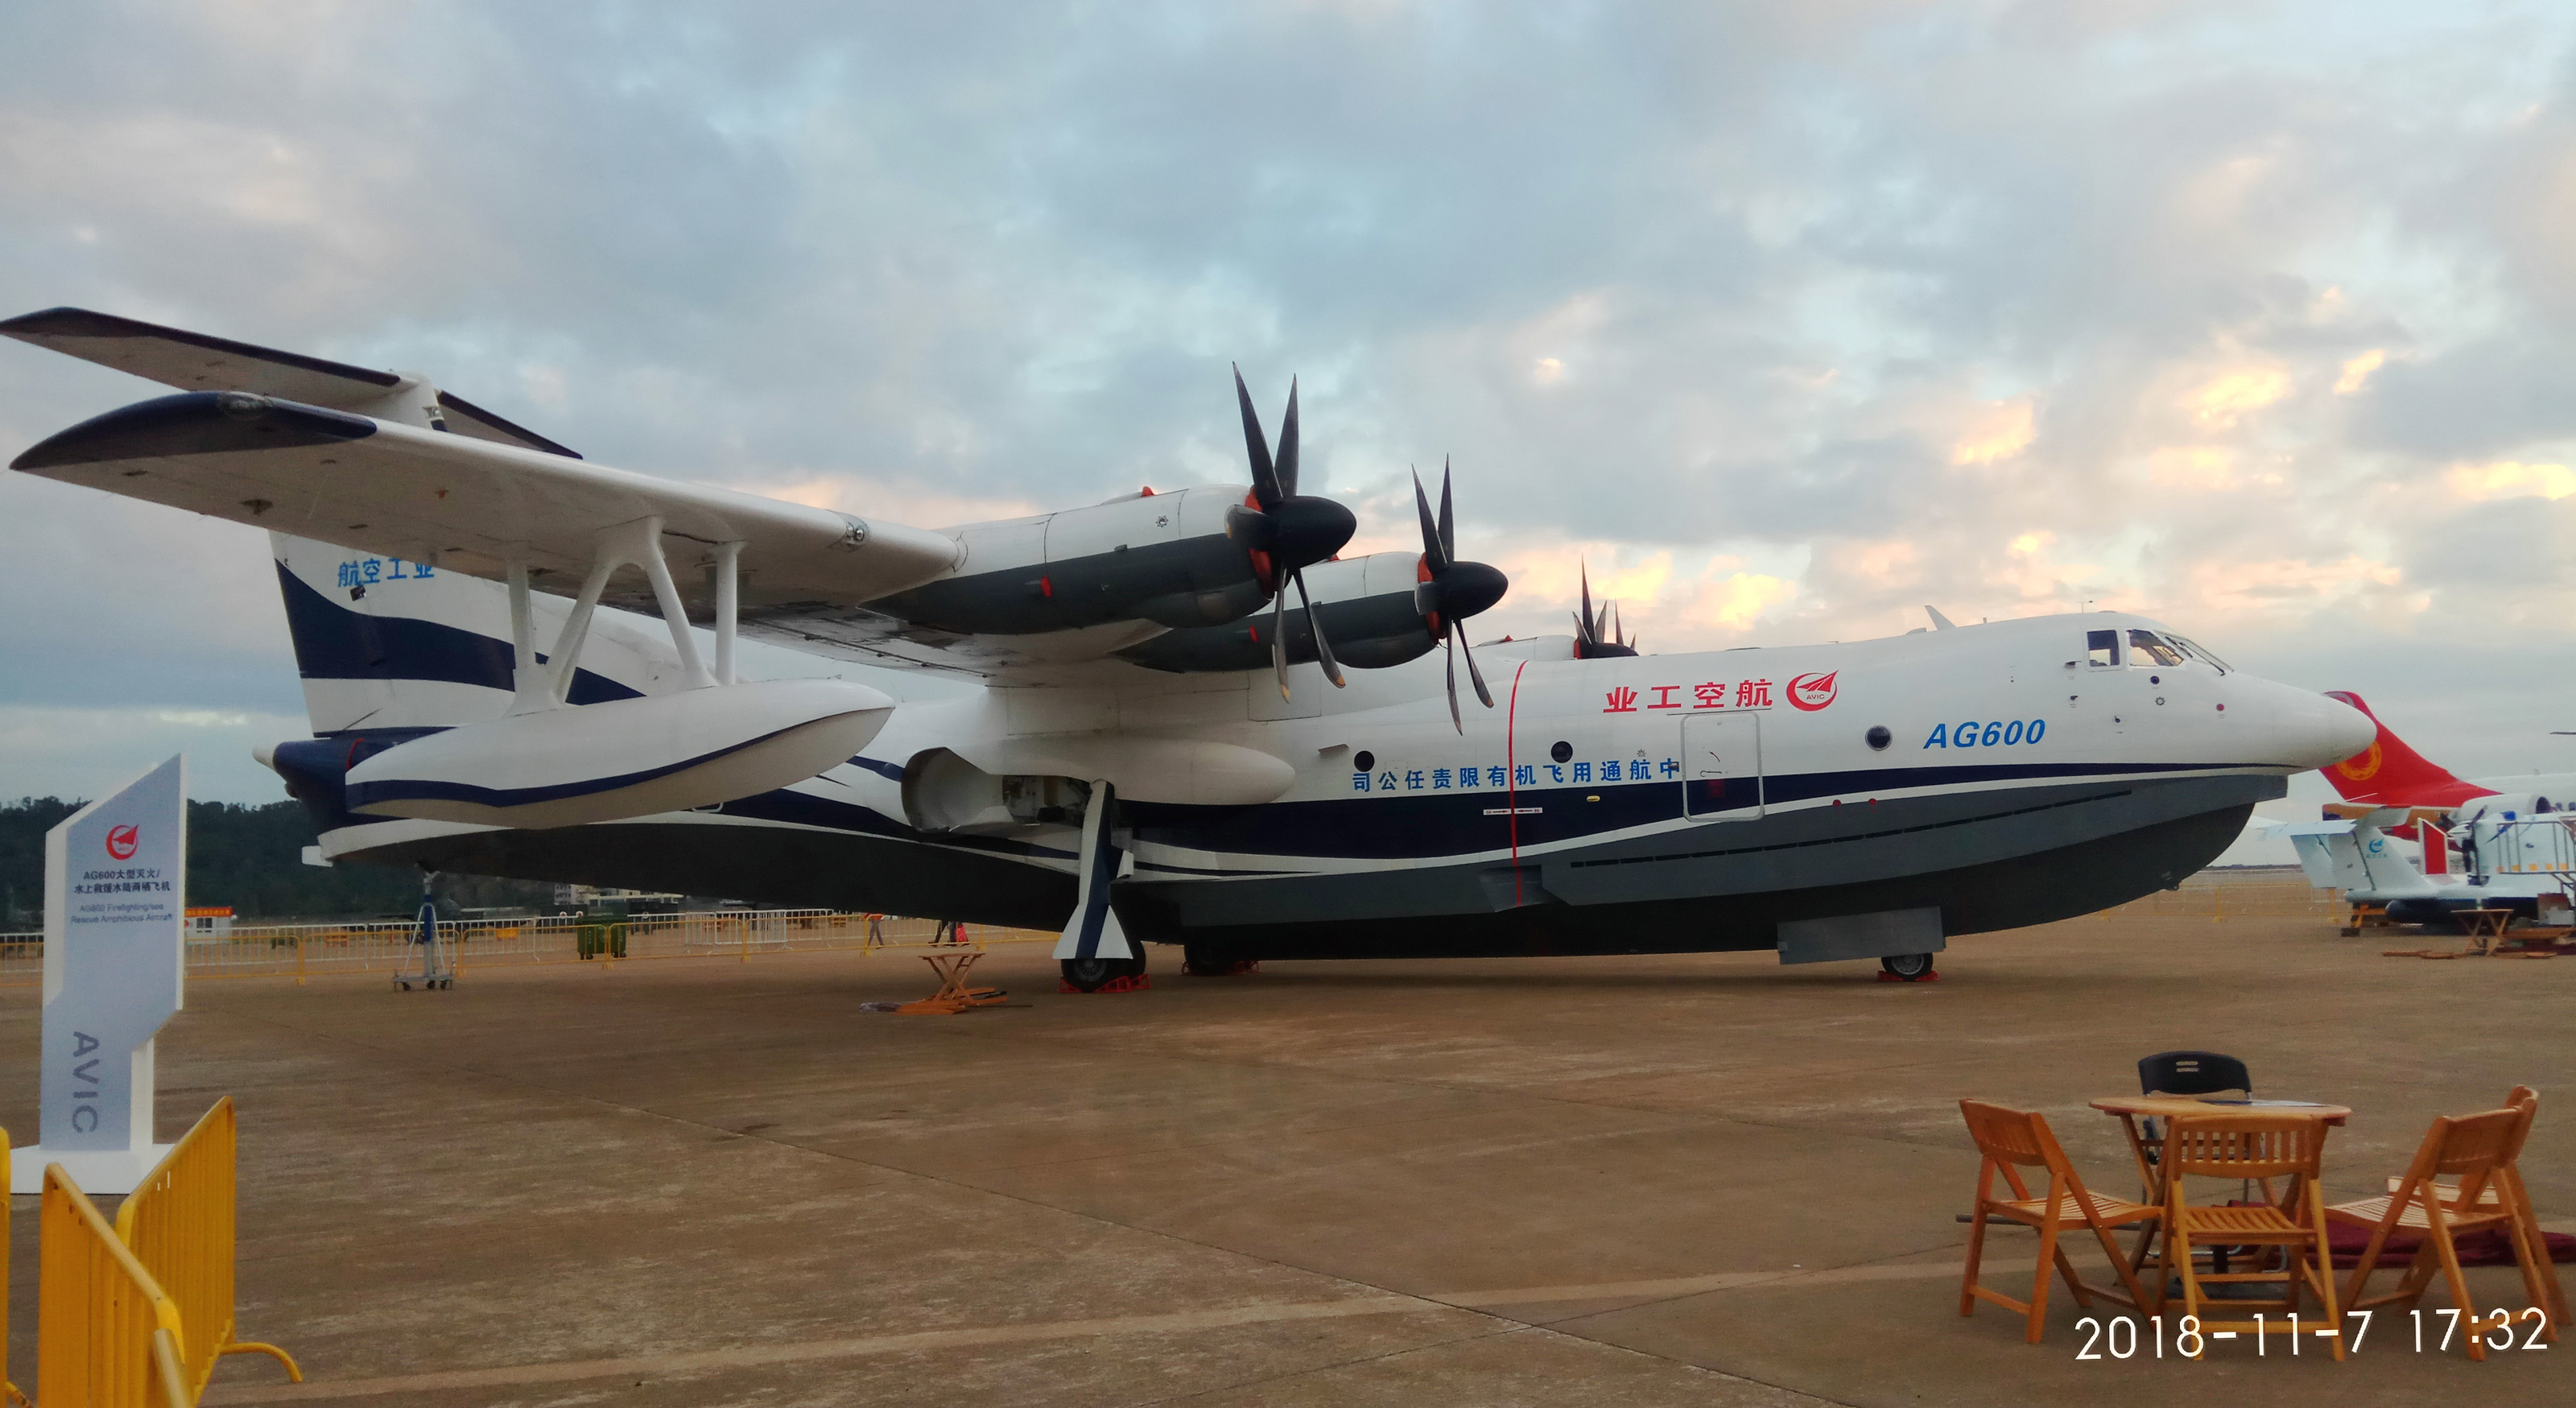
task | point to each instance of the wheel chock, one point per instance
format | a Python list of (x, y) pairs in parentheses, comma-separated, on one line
[(1137, 985)]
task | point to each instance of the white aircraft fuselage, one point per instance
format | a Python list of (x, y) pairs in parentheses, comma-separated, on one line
[(1662, 802)]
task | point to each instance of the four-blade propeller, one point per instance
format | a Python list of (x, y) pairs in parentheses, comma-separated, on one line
[(1449, 591), (1285, 531), (1597, 637)]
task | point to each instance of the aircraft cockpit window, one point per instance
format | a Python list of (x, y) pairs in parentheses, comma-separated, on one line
[(2148, 648), (2200, 652), (2103, 647)]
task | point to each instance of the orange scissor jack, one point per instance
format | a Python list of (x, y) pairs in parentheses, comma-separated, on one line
[(953, 996)]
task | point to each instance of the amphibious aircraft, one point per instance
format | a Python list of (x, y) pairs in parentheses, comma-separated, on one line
[(1153, 747)]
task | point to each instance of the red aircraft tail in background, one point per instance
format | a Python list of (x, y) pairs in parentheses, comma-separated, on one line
[(2390, 773)]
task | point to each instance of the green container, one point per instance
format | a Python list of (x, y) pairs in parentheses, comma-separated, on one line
[(592, 940)]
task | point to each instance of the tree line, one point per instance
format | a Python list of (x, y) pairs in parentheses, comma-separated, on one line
[(248, 857)]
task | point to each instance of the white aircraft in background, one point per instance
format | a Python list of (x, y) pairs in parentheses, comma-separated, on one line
[(2423, 843), (1148, 754)]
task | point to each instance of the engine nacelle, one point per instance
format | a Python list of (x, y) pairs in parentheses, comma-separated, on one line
[(1176, 559), (623, 758), (1368, 614)]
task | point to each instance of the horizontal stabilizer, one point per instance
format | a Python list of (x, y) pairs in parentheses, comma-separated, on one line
[(194, 361), (462, 504)]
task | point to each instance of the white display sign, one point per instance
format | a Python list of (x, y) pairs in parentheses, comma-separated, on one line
[(115, 959)]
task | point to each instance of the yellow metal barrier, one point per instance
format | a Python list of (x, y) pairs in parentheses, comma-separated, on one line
[(106, 1336), (179, 1224), (7, 1384)]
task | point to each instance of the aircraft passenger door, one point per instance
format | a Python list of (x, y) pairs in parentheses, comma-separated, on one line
[(1722, 767)]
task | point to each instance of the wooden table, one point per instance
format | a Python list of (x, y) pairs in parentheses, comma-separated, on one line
[(2133, 1108), (2485, 926)]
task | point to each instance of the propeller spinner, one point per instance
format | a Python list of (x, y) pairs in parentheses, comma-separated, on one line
[(1450, 591), (1286, 532)]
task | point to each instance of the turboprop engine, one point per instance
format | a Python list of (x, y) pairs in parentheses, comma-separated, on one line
[(1194, 558), (622, 758)]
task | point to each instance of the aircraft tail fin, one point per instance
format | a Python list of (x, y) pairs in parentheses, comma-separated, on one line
[(2356, 856), (2389, 771), (384, 644)]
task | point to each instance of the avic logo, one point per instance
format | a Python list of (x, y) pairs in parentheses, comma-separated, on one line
[(1812, 692), (2363, 766), (122, 841)]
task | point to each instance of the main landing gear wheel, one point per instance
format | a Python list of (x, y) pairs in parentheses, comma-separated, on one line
[(1093, 974), (1208, 961), (1908, 966)]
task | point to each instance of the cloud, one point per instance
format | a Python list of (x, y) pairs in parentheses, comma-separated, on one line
[(2003, 430), (2512, 479), (88, 751), (2222, 402), (2356, 372)]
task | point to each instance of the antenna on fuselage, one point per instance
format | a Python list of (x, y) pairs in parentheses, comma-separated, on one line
[(1939, 621)]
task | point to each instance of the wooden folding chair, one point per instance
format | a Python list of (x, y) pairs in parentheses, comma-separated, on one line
[(2509, 1175), (2012, 1140), (2241, 1147), (2475, 1149), (2509, 1179)]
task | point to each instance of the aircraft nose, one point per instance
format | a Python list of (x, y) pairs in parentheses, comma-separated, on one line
[(2321, 732)]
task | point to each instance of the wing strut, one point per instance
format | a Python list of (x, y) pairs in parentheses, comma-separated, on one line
[(638, 544)]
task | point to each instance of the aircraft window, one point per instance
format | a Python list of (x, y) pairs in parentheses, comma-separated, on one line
[(2203, 652), (2103, 647), (2152, 647)]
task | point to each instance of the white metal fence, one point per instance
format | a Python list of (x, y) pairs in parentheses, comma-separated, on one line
[(2221, 896), (385, 946)]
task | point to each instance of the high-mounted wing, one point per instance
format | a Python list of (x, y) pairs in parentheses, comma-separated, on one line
[(195, 361), (355, 456), (464, 504)]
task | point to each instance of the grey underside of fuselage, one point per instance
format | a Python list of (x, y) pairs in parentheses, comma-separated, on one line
[(1989, 860)]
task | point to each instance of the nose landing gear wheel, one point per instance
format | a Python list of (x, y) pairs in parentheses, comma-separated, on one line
[(1908, 966), (1092, 974)]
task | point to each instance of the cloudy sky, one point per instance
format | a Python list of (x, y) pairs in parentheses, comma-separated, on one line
[(2260, 318)]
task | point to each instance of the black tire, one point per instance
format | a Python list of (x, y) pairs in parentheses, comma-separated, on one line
[(1207, 961), (1093, 974), (1908, 966)]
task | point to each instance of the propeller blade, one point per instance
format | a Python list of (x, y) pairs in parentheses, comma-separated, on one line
[(1448, 523), (1279, 636), (1449, 638), (1474, 675), (1287, 466), (1265, 479), (1589, 635), (1323, 647), (1431, 549)]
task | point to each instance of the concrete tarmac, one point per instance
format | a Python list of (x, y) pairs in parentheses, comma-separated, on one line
[(1698, 1179)]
